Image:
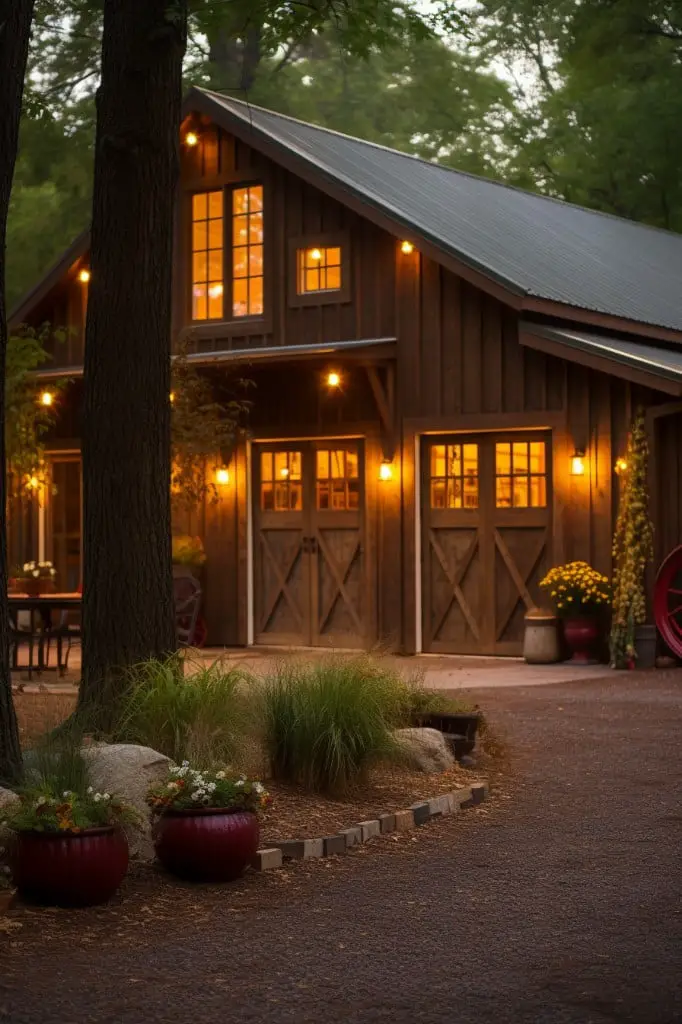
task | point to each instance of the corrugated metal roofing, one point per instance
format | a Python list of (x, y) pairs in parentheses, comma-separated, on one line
[(661, 362), (535, 245)]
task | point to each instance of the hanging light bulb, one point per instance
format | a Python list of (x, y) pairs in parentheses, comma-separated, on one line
[(84, 275), (46, 398), (191, 139)]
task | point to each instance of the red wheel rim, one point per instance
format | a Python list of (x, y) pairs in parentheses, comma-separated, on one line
[(668, 601), (200, 633)]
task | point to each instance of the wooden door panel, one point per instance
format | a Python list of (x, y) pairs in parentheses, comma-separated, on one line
[(520, 563), (339, 587), (455, 577), (281, 587)]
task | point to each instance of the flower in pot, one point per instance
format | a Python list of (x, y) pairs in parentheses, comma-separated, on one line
[(36, 578), (205, 823), (580, 595), (69, 849)]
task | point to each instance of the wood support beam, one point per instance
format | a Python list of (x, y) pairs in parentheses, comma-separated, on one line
[(384, 396)]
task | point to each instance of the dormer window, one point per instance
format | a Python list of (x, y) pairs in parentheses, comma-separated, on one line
[(227, 268), (318, 269)]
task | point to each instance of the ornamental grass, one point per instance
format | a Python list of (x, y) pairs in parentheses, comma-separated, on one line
[(326, 722), (202, 716)]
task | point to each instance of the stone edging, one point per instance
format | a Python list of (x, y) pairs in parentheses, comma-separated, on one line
[(399, 821)]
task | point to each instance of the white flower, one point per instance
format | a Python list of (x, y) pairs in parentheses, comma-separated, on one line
[(106, 796), (35, 573), (90, 790), (220, 775), (239, 783), (27, 566), (211, 787), (53, 572), (43, 565), (195, 796), (259, 787), (40, 802), (172, 786), (185, 764), (66, 793), (97, 797)]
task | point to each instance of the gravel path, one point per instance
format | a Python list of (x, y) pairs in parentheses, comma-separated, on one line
[(561, 904)]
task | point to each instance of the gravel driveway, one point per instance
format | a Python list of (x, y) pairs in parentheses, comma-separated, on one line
[(560, 904)]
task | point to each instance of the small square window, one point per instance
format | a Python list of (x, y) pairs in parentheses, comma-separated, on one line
[(318, 269)]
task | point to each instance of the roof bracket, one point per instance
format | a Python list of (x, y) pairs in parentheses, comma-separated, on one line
[(384, 397)]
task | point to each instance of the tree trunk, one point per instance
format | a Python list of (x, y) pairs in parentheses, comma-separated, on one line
[(128, 597), (15, 28)]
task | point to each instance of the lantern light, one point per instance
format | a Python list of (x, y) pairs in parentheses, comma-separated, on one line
[(222, 475), (191, 139), (33, 483), (172, 397), (284, 471), (46, 398), (386, 470), (621, 466), (578, 462), (315, 254), (84, 275), (334, 379), (407, 247)]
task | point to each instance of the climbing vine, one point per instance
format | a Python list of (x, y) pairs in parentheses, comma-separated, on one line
[(633, 547)]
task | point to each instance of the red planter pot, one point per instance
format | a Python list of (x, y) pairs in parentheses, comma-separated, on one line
[(582, 638), (69, 870), (206, 845)]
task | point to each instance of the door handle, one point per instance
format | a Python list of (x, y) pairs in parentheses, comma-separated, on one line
[(313, 545)]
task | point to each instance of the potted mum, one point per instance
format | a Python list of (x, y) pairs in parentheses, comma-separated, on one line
[(205, 823), (68, 849), (580, 595), (189, 556), (36, 578)]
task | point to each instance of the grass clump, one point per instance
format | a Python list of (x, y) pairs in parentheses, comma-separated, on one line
[(198, 717), (326, 722), (420, 701), (57, 762)]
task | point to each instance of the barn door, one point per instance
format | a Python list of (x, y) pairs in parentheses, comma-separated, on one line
[(309, 566), (485, 515)]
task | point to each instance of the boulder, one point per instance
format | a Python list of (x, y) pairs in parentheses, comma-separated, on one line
[(427, 749), (128, 771), (7, 797)]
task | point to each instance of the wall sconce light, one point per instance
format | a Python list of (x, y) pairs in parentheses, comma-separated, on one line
[(84, 275), (386, 470), (191, 139), (334, 379), (315, 254), (407, 247), (33, 483), (284, 471), (578, 462), (172, 397), (222, 475), (46, 398), (621, 466)]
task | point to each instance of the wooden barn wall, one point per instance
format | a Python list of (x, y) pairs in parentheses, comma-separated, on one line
[(292, 209)]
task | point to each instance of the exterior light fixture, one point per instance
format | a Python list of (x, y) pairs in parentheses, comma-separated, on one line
[(284, 471), (222, 475), (621, 466), (172, 397), (33, 483), (407, 247), (84, 275), (334, 379), (578, 462), (315, 254), (191, 139), (386, 470), (46, 398)]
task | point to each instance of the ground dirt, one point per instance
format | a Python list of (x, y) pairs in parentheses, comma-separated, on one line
[(558, 902)]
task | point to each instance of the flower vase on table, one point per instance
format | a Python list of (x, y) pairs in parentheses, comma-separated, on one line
[(581, 597), (36, 578)]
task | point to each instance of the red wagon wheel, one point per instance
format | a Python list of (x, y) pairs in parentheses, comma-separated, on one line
[(668, 601), (200, 632)]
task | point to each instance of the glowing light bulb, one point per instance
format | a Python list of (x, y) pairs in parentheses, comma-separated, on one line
[(621, 465), (191, 139), (46, 398), (385, 470), (407, 247), (284, 471), (84, 275), (315, 254), (334, 379), (578, 463), (222, 475)]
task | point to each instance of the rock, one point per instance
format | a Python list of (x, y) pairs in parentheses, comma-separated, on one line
[(467, 761), (128, 771), (7, 797), (425, 748)]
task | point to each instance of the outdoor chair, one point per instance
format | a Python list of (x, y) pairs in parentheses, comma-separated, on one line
[(33, 640), (66, 633), (187, 596)]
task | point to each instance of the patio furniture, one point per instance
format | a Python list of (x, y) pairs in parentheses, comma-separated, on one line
[(41, 631), (19, 636), (187, 596)]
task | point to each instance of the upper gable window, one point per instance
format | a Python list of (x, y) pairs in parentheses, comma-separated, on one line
[(227, 265), (318, 269)]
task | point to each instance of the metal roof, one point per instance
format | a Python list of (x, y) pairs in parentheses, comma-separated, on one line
[(532, 244), (359, 348), (652, 360)]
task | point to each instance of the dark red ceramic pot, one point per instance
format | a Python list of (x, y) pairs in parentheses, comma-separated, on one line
[(582, 636), (206, 845), (69, 870)]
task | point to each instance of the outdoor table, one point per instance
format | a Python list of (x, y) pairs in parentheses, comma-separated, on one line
[(43, 605)]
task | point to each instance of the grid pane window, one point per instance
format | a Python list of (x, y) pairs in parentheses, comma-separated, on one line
[(337, 480), (454, 476), (207, 256), (318, 269), (247, 251), (281, 488), (520, 474)]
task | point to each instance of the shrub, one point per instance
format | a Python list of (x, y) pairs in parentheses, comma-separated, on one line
[(325, 722), (420, 701), (199, 717)]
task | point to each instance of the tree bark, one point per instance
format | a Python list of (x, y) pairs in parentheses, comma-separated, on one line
[(15, 29), (128, 598)]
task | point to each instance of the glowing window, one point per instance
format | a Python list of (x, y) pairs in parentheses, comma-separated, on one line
[(280, 481), (520, 474), (454, 476), (337, 480), (207, 256), (247, 251), (318, 269)]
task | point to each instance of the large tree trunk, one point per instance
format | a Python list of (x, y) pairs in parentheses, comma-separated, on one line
[(128, 598), (15, 28)]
